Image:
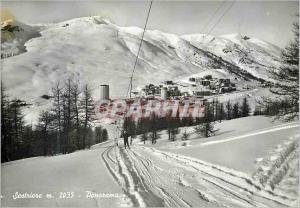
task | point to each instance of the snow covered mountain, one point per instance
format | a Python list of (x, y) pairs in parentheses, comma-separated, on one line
[(94, 50), (14, 35), (256, 56)]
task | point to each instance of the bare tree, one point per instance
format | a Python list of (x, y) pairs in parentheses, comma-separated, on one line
[(57, 112), (87, 105)]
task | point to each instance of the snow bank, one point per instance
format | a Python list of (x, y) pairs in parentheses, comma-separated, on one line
[(273, 168)]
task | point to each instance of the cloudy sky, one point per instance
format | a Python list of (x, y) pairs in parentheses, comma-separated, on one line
[(267, 20)]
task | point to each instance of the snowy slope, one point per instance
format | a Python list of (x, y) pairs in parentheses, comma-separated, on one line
[(90, 50), (256, 56), (141, 176), (250, 138), (96, 51), (12, 41), (79, 172)]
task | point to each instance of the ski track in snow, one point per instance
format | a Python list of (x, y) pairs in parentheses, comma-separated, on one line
[(154, 178), (251, 134)]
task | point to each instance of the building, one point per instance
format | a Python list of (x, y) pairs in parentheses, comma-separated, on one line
[(201, 91)]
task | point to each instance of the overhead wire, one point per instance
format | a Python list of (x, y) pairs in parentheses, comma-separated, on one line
[(137, 56), (212, 16), (219, 20), (129, 90)]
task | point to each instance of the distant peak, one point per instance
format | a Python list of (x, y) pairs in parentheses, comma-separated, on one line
[(236, 36), (232, 35), (101, 20), (91, 19)]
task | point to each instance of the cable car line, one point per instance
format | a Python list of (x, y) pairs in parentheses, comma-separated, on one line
[(220, 18), (228, 8), (129, 90), (137, 56), (212, 16)]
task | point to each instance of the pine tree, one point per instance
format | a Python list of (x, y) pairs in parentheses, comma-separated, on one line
[(143, 129), (6, 139), (87, 106), (187, 121), (208, 120), (98, 134), (31, 145), (12, 128), (205, 125), (236, 110), (287, 81), (153, 127), (57, 93), (75, 110), (101, 134), (104, 135), (174, 132), (185, 135), (220, 112), (198, 129), (175, 124), (215, 106), (17, 127), (245, 108), (228, 110), (67, 116), (44, 128)]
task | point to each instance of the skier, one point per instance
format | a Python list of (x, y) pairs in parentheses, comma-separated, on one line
[(125, 136), (116, 141)]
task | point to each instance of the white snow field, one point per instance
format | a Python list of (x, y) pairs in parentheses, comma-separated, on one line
[(79, 172), (250, 162), (95, 51), (256, 55), (237, 143), (146, 175)]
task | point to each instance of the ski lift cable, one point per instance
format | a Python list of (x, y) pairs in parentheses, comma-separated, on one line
[(129, 90), (212, 16), (228, 8), (137, 56)]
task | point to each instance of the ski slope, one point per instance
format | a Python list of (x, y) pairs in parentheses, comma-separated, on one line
[(236, 144), (156, 178), (77, 172), (96, 51), (148, 175)]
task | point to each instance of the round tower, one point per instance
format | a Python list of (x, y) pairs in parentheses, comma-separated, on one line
[(104, 92)]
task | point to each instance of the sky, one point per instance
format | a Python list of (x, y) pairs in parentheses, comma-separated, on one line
[(267, 20)]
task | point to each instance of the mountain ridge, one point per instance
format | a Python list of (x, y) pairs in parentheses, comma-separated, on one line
[(97, 51)]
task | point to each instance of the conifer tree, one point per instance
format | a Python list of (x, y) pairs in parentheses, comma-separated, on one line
[(245, 108), (87, 107), (286, 88), (5, 126), (228, 110), (236, 110), (57, 101), (221, 112), (43, 128)]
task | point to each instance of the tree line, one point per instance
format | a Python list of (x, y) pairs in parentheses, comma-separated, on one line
[(64, 128), (285, 106), (149, 128)]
